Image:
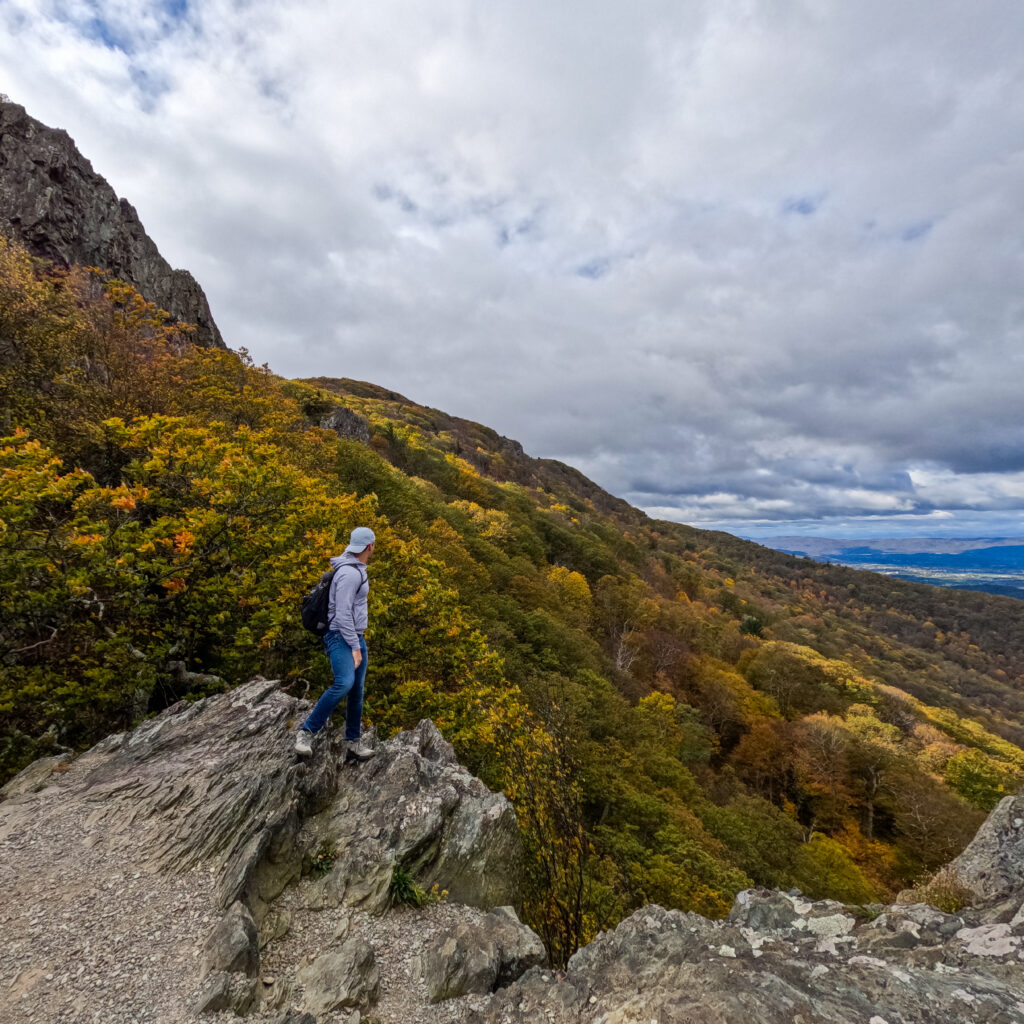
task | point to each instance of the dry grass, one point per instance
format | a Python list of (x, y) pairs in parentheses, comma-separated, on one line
[(944, 890)]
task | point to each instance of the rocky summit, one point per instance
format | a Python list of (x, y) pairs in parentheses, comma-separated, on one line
[(197, 865), (53, 202), (195, 869)]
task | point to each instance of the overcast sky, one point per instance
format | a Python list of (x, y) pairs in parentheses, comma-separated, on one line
[(750, 265)]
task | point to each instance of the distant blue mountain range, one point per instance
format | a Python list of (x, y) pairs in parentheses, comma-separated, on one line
[(994, 565), (1008, 557)]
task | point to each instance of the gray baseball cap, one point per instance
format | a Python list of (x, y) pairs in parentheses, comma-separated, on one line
[(362, 537)]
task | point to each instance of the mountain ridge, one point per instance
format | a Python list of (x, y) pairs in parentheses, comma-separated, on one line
[(512, 464), (814, 546)]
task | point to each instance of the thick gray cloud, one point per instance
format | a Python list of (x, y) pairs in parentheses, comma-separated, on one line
[(745, 264)]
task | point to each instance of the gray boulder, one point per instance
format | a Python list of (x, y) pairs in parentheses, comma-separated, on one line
[(413, 805), (343, 978), (992, 864), (222, 990), (233, 945), (481, 956)]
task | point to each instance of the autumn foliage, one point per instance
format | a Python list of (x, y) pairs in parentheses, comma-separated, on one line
[(675, 715)]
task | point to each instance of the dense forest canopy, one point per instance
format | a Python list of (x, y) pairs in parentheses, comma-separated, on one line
[(676, 714)]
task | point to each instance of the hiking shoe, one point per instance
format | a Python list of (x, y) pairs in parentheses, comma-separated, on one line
[(359, 750), (304, 743)]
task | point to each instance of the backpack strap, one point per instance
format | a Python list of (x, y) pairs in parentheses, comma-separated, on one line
[(363, 576), (362, 572)]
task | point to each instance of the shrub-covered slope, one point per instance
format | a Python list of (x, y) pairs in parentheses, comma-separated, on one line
[(676, 714)]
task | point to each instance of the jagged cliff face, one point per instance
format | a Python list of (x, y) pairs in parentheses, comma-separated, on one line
[(53, 202)]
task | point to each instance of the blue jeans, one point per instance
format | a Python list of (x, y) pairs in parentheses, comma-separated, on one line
[(348, 682)]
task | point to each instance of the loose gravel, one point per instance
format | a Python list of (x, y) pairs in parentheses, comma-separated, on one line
[(88, 933), (398, 938)]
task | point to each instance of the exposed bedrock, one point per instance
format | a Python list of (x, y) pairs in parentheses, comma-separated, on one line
[(217, 783), (213, 793), (780, 959)]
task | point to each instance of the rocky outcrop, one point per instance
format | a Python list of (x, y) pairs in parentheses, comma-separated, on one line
[(992, 864), (218, 783), (779, 959), (414, 807), (54, 203), (175, 842), (481, 956), (347, 423)]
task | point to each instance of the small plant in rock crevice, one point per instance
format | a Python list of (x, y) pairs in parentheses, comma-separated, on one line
[(323, 859), (407, 891), (866, 911)]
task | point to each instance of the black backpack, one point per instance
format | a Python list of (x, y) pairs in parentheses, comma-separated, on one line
[(316, 605)]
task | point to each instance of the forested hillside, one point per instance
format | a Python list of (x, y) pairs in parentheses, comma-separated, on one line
[(676, 714)]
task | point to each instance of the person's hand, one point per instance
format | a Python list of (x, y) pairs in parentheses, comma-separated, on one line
[(357, 658)]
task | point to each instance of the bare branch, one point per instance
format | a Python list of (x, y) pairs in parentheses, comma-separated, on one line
[(32, 647)]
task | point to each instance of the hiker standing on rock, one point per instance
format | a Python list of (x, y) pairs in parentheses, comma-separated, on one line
[(345, 647)]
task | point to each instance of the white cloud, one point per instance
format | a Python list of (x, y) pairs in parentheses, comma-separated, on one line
[(767, 252)]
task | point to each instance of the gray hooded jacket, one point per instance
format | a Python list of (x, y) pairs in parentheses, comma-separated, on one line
[(347, 608)]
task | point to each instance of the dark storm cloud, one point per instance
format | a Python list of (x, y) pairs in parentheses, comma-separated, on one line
[(737, 262)]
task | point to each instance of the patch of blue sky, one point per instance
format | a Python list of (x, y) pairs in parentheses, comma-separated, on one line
[(92, 22), (150, 87), (176, 9), (916, 231), (99, 30), (594, 269), (96, 28), (803, 206)]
